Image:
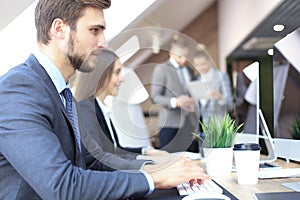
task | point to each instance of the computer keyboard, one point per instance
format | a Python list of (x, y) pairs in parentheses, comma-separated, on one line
[(208, 186), (279, 173)]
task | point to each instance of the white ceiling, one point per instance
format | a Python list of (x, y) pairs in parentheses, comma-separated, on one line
[(173, 14), (168, 14), (10, 9)]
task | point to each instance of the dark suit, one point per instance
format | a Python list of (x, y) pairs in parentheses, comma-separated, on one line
[(38, 154), (94, 120), (166, 84)]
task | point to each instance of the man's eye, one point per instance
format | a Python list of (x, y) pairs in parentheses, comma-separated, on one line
[(95, 30)]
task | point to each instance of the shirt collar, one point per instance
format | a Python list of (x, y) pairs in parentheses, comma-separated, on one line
[(52, 70), (105, 109), (174, 63)]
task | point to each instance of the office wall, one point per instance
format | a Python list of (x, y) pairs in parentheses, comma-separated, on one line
[(237, 19), (204, 29)]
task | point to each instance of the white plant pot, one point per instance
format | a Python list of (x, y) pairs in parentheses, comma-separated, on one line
[(218, 161)]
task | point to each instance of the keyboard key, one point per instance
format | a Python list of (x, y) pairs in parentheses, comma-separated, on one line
[(214, 187), (208, 186)]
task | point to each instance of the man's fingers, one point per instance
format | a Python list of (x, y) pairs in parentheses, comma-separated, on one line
[(196, 181)]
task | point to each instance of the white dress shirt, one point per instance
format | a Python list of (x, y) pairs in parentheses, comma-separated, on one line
[(107, 116)]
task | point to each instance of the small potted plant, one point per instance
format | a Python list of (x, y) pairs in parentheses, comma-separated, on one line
[(295, 128), (219, 134)]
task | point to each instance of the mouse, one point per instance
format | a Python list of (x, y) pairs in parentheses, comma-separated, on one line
[(206, 196)]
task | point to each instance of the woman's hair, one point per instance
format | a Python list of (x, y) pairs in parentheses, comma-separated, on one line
[(67, 10), (86, 84), (107, 60)]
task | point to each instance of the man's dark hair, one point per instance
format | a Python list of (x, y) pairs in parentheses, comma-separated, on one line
[(67, 10)]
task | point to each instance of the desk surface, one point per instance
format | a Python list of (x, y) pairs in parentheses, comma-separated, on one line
[(244, 192)]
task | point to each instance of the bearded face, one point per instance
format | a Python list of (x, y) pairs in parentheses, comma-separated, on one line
[(79, 59)]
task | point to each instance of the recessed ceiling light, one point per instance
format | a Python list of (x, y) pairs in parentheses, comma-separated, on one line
[(271, 52), (278, 27)]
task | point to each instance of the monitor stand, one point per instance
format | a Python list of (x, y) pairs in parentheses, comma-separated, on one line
[(266, 136)]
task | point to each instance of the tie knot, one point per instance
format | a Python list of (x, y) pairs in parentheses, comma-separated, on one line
[(67, 94)]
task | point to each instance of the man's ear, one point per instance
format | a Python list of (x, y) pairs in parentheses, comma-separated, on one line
[(58, 28)]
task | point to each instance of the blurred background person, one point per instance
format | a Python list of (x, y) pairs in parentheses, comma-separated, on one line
[(219, 99), (177, 116), (95, 105)]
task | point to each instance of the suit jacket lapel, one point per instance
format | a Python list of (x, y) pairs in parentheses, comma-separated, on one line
[(178, 81), (174, 70), (46, 81), (102, 121)]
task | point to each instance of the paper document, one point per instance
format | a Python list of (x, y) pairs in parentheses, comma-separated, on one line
[(189, 155), (199, 89), (292, 185)]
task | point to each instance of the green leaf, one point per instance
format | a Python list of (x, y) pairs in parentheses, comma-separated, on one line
[(219, 132)]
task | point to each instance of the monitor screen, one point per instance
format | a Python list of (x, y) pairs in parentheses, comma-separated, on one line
[(286, 77), (255, 128)]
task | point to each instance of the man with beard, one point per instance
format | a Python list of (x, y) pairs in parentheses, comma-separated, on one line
[(45, 152)]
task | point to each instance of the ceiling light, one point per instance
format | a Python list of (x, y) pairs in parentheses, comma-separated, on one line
[(271, 52), (278, 27), (260, 43)]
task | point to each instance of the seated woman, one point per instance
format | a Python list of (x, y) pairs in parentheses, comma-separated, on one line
[(96, 113)]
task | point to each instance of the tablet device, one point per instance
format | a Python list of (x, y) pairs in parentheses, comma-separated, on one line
[(199, 89)]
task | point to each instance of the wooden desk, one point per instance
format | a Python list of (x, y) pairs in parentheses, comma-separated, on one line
[(243, 192), (246, 192)]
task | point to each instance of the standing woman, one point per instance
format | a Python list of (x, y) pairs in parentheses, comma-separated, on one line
[(220, 99)]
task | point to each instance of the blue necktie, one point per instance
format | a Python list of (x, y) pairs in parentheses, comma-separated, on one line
[(72, 114)]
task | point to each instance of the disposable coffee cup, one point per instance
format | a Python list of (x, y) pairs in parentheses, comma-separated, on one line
[(246, 157)]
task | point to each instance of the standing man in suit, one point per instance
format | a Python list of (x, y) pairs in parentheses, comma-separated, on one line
[(177, 115), (45, 152)]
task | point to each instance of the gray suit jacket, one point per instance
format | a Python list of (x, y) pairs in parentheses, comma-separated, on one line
[(38, 154), (166, 84), (220, 83)]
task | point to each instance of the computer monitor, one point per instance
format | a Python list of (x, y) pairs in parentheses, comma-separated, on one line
[(286, 73), (249, 102), (255, 128)]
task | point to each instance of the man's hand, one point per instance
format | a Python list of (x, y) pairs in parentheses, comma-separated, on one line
[(186, 103), (215, 95), (170, 174), (157, 152)]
